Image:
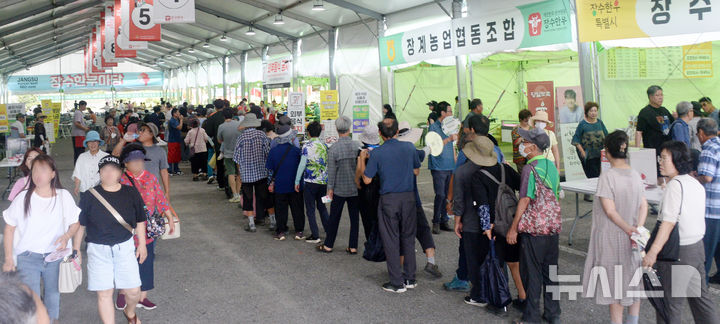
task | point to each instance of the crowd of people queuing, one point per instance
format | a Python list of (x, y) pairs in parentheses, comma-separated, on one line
[(258, 159)]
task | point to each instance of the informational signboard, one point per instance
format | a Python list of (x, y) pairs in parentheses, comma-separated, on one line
[(361, 111), (54, 118), (277, 73), (174, 11), (329, 134), (602, 19), (81, 81), (296, 110), (142, 27), (4, 124), (328, 104), (673, 62), (13, 109), (123, 39), (46, 104), (542, 23), (571, 160), (121, 50), (540, 96), (697, 60)]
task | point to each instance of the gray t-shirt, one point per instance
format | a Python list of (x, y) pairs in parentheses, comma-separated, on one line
[(158, 160), (228, 133), (78, 117)]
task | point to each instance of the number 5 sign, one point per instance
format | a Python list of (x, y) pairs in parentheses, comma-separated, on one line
[(142, 27), (174, 11)]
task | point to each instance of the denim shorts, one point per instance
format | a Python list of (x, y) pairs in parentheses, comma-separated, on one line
[(112, 266)]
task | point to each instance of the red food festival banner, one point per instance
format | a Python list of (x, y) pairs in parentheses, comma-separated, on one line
[(94, 59), (119, 52), (104, 63), (540, 95), (142, 27)]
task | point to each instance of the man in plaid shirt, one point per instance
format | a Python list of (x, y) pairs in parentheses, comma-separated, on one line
[(341, 186), (251, 151), (709, 176)]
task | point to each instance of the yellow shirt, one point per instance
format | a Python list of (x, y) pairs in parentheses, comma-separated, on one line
[(553, 141)]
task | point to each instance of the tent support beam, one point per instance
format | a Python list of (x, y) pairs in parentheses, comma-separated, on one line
[(356, 8), (332, 33), (295, 51), (443, 8), (384, 93), (460, 69), (243, 85), (588, 74), (224, 76), (264, 58)]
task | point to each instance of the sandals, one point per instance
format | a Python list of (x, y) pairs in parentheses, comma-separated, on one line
[(323, 249), (350, 251), (133, 320)]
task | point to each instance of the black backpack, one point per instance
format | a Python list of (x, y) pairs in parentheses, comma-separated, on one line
[(506, 203)]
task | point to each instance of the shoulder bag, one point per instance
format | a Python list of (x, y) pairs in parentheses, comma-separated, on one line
[(671, 250), (277, 167), (542, 216), (176, 233), (192, 147), (70, 273), (112, 210), (155, 222)]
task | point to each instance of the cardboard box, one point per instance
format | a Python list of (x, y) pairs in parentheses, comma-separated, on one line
[(641, 160)]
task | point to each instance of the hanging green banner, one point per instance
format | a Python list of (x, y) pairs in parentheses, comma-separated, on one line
[(537, 24)]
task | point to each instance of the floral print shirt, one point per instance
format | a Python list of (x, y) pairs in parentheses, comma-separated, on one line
[(150, 191), (316, 153)]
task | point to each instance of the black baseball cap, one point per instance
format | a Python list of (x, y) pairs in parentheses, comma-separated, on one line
[(109, 160)]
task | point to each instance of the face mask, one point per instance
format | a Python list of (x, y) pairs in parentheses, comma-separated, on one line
[(540, 125), (521, 149)]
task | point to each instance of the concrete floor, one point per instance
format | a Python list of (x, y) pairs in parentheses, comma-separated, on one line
[(218, 273)]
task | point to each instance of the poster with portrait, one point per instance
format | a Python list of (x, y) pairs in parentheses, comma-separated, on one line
[(569, 113), (569, 103)]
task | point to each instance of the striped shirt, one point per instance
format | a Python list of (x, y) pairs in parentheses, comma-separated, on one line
[(710, 166)]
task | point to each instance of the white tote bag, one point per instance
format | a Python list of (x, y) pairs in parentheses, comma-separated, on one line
[(176, 233), (70, 275)]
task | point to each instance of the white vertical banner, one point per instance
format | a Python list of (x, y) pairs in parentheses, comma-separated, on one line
[(571, 160), (296, 110), (123, 39), (97, 60), (174, 11), (108, 52)]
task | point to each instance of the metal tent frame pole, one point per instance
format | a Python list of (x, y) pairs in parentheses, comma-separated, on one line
[(460, 68), (332, 43)]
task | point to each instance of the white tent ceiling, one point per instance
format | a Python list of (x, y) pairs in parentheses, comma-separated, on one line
[(36, 31)]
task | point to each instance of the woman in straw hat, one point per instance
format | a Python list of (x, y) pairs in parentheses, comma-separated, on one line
[(542, 120)]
